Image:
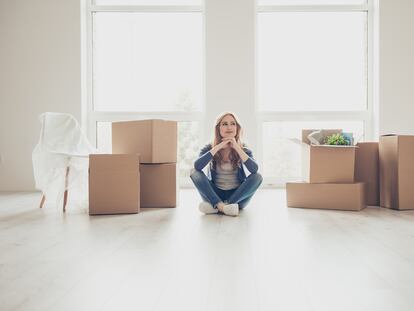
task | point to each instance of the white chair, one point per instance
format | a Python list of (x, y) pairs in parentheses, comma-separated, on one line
[(60, 159)]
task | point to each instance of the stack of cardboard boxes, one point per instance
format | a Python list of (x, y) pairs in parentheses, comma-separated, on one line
[(152, 146), (335, 177), (156, 142)]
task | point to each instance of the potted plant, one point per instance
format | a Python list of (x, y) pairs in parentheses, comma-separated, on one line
[(337, 139)]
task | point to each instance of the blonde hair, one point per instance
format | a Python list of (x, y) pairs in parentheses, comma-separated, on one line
[(233, 156)]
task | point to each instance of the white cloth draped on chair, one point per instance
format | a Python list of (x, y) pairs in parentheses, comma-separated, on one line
[(61, 159)]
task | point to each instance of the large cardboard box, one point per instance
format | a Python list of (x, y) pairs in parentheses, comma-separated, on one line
[(348, 197), (154, 140), (325, 163), (159, 185), (114, 184), (367, 170), (396, 154)]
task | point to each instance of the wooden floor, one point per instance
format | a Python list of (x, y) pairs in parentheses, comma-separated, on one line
[(269, 258)]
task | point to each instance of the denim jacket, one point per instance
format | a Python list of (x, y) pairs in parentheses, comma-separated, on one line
[(205, 158)]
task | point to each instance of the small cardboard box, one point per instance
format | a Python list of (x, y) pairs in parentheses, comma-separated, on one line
[(114, 184), (158, 185), (347, 197), (326, 163), (154, 140), (367, 170), (396, 157)]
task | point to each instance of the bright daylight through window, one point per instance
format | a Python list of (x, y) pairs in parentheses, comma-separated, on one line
[(147, 63), (313, 72)]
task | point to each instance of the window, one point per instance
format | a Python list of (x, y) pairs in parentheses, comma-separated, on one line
[(313, 62), (313, 71), (146, 61)]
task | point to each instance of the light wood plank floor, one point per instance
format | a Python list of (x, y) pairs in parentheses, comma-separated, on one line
[(269, 258)]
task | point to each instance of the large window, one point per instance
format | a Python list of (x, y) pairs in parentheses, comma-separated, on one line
[(146, 61), (312, 61), (313, 71), (297, 64)]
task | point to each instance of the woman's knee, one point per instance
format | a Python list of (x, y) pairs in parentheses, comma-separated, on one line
[(256, 178), (196, 175)]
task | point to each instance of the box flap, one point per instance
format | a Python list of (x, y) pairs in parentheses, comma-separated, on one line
[(298, 142), (117, 162), (327, 132)]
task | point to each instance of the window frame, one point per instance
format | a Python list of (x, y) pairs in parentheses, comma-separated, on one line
[(365, 116)]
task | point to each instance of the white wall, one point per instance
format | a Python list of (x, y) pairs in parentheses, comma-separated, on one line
[(396, 66), (39, 71), (230, 61)]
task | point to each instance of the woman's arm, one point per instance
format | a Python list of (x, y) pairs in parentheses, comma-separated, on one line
[(207, 153), (246, 156), (204, 158), (251, 163)]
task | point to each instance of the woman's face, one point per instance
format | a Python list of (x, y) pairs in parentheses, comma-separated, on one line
[(228, 127)]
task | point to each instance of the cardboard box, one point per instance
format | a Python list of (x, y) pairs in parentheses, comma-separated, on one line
[(367, 170), (158, 185), (326, 163), (154, 140), (114, 184), (348, 197), (396, 156)]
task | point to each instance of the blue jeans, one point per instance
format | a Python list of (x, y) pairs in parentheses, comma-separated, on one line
[(210, 193)]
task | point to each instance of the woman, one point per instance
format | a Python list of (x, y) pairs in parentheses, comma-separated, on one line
[(226, 189)]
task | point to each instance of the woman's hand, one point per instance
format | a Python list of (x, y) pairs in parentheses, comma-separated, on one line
[(230, 142), (223, 145), (233, 143)]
